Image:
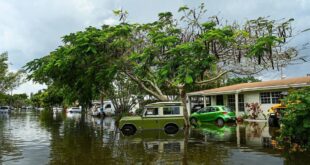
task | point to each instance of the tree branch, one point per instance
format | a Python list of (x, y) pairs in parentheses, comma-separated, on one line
[(213, 79), (141, 84)]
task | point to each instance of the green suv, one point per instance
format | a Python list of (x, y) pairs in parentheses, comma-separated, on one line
[(161, 115), (219, 114)]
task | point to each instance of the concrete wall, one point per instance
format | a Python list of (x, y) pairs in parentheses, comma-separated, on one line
[(249, 97), (254, 97)]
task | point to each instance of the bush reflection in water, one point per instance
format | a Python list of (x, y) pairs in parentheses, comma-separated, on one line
[(81, 139)]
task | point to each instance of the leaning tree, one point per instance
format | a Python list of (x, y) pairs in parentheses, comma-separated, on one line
[(177, 54)]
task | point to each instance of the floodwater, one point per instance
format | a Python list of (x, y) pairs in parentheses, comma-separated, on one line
[(31, 138)]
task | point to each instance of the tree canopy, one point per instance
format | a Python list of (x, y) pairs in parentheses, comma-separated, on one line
[(8, 80), (166, 57)]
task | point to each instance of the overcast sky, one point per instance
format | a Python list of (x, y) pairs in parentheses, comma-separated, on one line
[(33, 28)]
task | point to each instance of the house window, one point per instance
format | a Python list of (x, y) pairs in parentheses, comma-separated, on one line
[(171, 110), (265, 98), (231, 102), (241, 102), (275, 96), (270, 97)]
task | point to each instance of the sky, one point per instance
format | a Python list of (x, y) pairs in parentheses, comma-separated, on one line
[(33, 28)]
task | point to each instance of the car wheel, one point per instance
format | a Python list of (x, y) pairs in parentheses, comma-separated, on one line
[(193, 121), (171, 129), (271, 122), (128, 130), (220, 122)]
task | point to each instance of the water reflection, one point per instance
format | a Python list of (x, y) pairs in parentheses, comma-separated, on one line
[(213, 132), (47, 138)]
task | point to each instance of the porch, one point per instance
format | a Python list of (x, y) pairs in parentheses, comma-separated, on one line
[(235, 101)]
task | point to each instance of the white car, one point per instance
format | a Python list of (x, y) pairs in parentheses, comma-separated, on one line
[(5, 109), (108, 108), (74, 110)]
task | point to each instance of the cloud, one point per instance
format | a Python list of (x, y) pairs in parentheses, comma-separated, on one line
[(28, 88)]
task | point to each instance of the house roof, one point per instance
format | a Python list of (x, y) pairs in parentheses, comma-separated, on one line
[(160, 104), (256, 86)]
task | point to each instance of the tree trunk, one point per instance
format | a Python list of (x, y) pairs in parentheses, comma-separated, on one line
[(101, 100), (183, 99)]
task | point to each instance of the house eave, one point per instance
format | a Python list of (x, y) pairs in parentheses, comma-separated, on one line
[(248, 90)]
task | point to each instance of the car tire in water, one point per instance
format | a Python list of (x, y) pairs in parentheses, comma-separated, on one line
[(219, 122), (171, 129), (273, 122), (128, 130)]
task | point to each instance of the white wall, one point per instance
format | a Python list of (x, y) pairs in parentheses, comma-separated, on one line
[(254, 97)]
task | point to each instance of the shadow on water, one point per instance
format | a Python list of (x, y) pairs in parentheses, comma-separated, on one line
[(81, 139)]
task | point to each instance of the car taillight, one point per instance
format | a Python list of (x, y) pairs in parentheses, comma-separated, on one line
[(224, 113)]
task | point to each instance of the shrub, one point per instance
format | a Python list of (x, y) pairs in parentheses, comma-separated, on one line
[(296, 118), (253, 110)]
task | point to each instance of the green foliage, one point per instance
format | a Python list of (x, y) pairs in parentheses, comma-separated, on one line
[(296, 118), (238, 80), (8, 80), (254, 110), (164, 57), (15, 100), (52, 96)]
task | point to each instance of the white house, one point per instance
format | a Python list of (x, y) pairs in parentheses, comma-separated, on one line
[(266, 93)]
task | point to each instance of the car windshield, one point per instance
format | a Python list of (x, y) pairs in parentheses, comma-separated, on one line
[(227, 109)]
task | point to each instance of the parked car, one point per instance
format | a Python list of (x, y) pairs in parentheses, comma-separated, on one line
[(74, 110), (197, 107), (275, 112), (106, 109), (5, 109), (161, 115), (275, 115), (219, 114)]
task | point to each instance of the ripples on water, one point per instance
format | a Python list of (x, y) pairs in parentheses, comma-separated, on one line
[(33, 138)]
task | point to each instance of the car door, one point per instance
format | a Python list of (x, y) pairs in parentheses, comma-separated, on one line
[(150, 118), (204, 113), (214, 113)]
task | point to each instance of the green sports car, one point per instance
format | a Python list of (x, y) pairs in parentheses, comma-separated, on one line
[(219, 114)]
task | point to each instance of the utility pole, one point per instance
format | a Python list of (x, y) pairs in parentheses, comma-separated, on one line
[(282, 74)]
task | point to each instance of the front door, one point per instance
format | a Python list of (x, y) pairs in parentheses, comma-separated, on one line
[(219, 100)]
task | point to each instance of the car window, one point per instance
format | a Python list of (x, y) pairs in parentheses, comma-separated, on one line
[(213, 109), (204, 110), (151, 111), (171, 110), (227, 109), (108, 106)]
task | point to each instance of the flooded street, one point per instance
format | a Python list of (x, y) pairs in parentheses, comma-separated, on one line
[(30, 138)]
